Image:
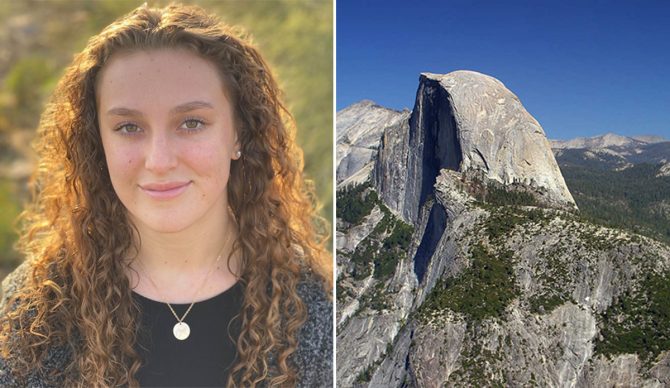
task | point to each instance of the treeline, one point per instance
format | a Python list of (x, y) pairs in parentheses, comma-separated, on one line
[(355, 202), (633, 199)]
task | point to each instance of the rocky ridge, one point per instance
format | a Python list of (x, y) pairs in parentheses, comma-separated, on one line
[(612, 151), (605, 141), (359, 131), (493, 279)]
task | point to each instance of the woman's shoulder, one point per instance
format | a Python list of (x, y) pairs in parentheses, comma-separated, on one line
[(57, 357), (314, 356), (11, 284), (14, 281), (312, 292), (319, 305)]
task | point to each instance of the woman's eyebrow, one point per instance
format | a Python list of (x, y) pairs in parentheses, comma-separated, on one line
[(189, 106), (183, 108), (121, 111)]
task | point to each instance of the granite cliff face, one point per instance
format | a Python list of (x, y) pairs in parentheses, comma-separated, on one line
[(492, 130), (359, 131), (462, 260), (467, 122)]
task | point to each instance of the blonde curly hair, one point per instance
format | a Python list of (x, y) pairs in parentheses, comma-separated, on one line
[(78, 237)]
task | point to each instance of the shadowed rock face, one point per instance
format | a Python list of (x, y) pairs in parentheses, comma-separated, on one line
[(437, 222), (433, 144)]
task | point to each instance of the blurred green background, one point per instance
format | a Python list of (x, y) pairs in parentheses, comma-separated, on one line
[(39, 38)]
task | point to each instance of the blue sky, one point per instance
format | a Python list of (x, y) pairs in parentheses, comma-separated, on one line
[(581, 68)]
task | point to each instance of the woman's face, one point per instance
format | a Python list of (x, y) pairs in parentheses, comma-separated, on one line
[(168, 134)]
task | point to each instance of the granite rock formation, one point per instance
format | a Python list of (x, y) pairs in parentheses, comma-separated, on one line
[(462, 260), (470, 123), (493, 131), (359, 131)]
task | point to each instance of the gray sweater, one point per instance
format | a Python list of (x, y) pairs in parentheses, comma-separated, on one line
[(313, 358)]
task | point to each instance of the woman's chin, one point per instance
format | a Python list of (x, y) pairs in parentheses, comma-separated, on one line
[(162, 224)]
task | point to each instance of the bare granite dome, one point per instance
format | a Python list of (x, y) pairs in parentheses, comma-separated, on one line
[(462, 121), (497, 135)]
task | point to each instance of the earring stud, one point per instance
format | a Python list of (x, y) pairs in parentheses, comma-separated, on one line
[(238, 154)]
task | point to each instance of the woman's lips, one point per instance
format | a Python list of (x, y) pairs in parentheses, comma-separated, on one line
[(166, 190)]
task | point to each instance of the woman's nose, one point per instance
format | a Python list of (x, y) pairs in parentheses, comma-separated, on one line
[(160, 153)]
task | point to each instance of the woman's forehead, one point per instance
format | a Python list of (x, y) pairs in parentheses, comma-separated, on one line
[(142, 79)]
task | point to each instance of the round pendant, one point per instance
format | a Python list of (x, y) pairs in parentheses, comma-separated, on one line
[(181, 331)]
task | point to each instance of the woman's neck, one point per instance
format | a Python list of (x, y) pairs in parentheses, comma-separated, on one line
[(192, 264)]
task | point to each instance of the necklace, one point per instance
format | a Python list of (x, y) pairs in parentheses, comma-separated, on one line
[(181, 329)]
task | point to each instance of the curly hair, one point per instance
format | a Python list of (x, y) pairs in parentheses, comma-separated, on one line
[(78, 237)]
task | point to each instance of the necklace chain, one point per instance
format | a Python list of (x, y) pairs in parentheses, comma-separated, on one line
[(211, 268)]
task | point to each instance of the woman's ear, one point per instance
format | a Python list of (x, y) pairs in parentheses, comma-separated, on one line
[(237, 148)]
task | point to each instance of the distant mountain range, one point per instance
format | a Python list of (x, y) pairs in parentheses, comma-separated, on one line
[(613, 152), (608, 140), (620, 181)]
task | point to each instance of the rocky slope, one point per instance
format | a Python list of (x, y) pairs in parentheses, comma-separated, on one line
[(462, 262)]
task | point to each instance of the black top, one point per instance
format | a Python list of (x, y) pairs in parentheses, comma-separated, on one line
[(204, 358), (313, 357)]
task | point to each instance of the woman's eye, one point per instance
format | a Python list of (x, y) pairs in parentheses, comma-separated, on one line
[(128, 128), (192, 124)]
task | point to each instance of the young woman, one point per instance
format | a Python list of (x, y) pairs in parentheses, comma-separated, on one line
[(171, 240)]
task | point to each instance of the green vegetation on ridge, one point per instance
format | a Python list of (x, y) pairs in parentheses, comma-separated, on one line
[(638, 321), (481, 291), (377, 254), (355, 202), (633, 199), (498, 195)]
